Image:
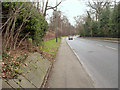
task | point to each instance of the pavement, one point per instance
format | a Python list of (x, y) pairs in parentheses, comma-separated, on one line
[(67, 71), (100, 60)]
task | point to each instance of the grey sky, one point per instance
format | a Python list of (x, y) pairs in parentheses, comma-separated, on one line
[(70, 8)]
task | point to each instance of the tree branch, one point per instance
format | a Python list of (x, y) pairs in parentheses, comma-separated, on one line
[(49, 7), (23, 39)]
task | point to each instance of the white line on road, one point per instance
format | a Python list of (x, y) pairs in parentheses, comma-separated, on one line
[(99, 45), (111, 41), (107, 47), (111, 47)]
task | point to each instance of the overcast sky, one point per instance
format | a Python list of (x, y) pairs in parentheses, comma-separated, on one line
[(70, 8)]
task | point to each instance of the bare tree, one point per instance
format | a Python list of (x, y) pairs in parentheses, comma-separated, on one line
[(64, 27), (97, 6), (44, 6)]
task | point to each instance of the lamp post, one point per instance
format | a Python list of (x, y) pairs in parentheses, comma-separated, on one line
[(56, 20), (61, 30)]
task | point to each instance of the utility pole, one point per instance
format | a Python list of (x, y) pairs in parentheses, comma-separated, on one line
[(56, 20)]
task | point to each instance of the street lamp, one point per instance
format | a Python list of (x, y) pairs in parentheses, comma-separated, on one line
[(61, 29), (56, 20)]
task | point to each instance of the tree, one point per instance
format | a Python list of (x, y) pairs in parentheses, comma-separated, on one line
[(63, 25), (43, 6), (97, 7), (106, 23), (22, 21), (119, 20)]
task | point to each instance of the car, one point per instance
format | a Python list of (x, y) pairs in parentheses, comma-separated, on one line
[(70, 38)]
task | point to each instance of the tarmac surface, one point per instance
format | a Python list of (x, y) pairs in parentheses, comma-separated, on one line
[(99, 58)]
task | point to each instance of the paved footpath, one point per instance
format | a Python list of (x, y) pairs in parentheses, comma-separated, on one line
[(67, 71)]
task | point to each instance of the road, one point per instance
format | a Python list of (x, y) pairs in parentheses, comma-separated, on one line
[(99, 58)]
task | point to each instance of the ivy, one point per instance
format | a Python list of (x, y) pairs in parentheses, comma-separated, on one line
[(11, 65)]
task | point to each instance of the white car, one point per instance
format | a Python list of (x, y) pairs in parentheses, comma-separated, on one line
[(70, 38)]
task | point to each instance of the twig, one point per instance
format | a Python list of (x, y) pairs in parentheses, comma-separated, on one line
[(23, 39)]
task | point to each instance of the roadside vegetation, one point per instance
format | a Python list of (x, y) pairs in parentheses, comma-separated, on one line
[(21, 21), (22, 31), (50, 48), (101, 20), (24, 28)]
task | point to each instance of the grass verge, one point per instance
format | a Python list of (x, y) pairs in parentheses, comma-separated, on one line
[(50, 48)]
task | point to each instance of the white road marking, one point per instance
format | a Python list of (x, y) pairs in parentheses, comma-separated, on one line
[(106, 40), (99, 45), (107, 46), (111, 41), (111, 47)]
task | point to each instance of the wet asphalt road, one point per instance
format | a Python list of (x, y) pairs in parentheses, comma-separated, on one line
[(99, 58)]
